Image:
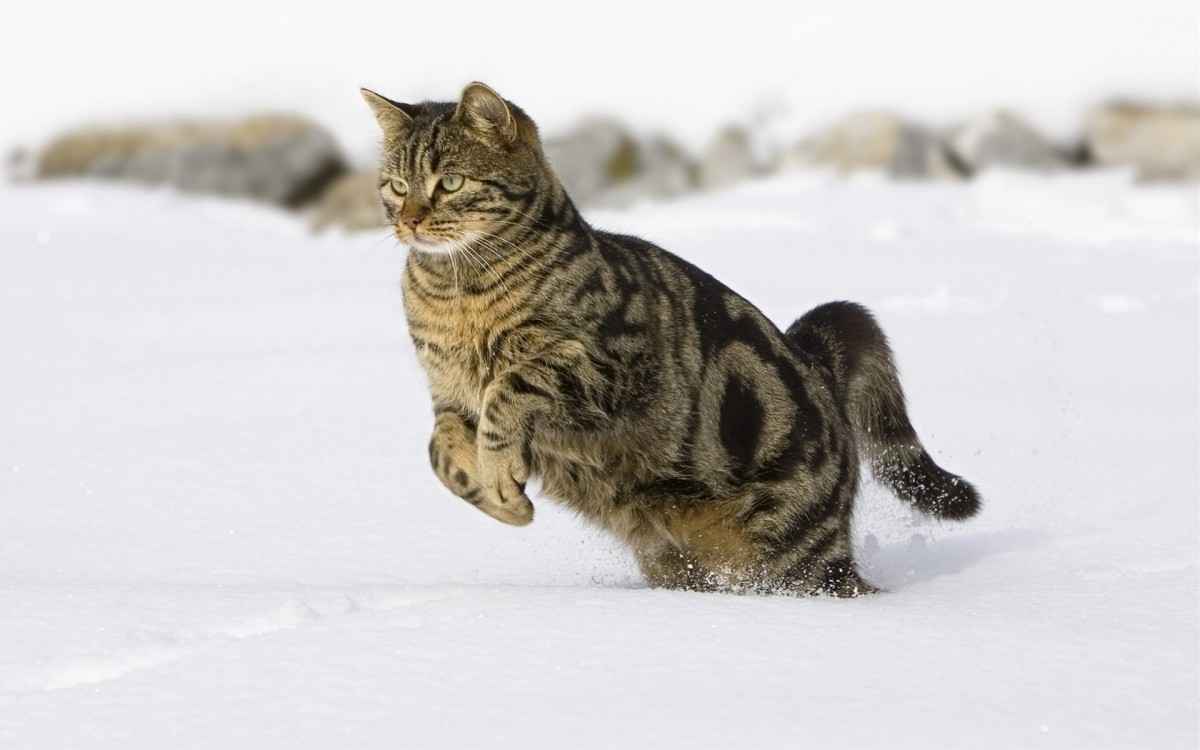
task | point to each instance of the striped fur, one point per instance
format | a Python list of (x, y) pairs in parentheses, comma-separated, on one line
[(640, 391)]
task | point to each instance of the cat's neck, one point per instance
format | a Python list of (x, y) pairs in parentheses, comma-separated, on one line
[(476, 267)]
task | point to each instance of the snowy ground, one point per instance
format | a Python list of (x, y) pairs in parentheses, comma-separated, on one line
[(217, 527)]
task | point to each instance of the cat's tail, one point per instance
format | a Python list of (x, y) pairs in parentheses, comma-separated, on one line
[(847, 339)]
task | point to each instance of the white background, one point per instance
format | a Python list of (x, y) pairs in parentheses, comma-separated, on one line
[(683, 68)]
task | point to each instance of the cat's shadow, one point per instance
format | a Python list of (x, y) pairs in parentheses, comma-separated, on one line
[(898, 565)]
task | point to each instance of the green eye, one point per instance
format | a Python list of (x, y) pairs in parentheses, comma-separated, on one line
[(399, 187), (451, 182)]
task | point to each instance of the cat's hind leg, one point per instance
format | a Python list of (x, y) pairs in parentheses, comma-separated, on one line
[(822, 563), (666, 567), (838, 577)]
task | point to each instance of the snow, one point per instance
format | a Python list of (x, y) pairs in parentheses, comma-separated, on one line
[(218, 529)]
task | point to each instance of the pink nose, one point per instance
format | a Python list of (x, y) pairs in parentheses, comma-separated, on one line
[(412, 221)]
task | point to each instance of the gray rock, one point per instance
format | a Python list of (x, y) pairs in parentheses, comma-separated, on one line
[(593, 158), (878, 141), (1160, 142), (663, 172), (273, 158), (351, 202), (728, 161), (21, 165), (1000, 139), (601, 164), (666, 171)]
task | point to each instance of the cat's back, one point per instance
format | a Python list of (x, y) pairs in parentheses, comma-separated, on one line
[(715, 312)]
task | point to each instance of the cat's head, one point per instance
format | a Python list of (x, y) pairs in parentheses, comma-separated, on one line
[(457, 176)]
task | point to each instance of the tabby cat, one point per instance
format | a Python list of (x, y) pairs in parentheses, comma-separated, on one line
[(644, 394)]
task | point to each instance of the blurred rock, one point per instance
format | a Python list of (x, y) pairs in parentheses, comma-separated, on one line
[(21, 165), (728, 161), (1000, 139), (878, 141), (592, 158), (663, 172), (278, 159), (351, 202), (602, 164), (666, 171), (1161, 143)]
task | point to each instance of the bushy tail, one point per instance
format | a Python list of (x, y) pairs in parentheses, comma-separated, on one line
[(846, 337)]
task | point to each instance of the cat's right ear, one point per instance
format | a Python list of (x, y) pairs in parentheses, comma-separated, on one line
[(391, 115), (483, 109)]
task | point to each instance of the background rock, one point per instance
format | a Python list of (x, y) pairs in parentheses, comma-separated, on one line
[(278, 159), (20, 165), (728, 161), (874, 141), (290, 161), (1161, 143), (592, 158), (602, 164), (1001, 139), (351, 202), (666, 171)]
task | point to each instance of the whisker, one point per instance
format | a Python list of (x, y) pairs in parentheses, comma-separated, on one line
[(487, 244), (475, 238), (483, 264), (389, 232), (454, 265), (469, 255), (498, 238), (532, 218)]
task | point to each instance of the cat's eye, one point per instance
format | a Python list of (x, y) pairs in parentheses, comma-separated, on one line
[(399, 187), (452, 182)]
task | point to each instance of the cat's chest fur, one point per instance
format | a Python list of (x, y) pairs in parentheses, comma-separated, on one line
[(462, 342)]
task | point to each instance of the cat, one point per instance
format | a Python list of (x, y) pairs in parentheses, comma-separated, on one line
[(641, 392)]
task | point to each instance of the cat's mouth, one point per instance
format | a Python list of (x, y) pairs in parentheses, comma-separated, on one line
[(426, 243)]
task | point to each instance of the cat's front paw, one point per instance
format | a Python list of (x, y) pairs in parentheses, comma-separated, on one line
[(502, 476)]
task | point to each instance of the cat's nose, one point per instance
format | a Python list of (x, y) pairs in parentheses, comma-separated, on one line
[(412, 221)]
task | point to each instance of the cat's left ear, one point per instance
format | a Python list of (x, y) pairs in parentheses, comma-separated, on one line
[(483, 109), (391, 115)]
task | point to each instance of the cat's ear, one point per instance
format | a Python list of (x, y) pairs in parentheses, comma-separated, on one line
[(484, 110), (391, 115)]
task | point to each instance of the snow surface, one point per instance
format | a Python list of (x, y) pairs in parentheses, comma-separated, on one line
[(218, 529)]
